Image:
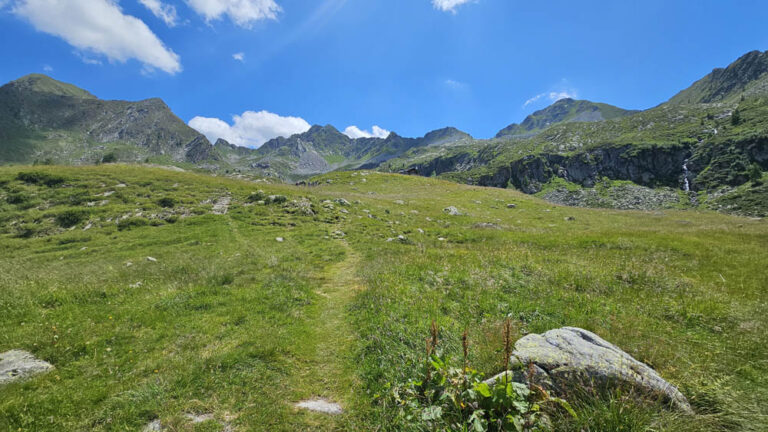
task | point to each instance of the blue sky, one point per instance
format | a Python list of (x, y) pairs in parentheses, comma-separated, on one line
[(252, 69)]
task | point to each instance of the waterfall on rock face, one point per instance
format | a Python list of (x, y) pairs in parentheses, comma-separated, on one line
[(686, 183)]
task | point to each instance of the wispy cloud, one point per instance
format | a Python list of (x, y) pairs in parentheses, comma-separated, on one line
[(164, 11), (553, 96), (455, 85), (47, 68), (250, 129), (239, 56), (355, 132), (99, 27), (244, 13), (449, 5)]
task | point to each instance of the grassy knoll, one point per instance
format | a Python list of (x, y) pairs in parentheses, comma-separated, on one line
[(231, 322)]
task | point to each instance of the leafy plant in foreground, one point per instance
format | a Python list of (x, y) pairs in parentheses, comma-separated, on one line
[(459, 399)]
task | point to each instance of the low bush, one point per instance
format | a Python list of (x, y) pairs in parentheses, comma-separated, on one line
[(40, 178), (166, 202), (70, 218), (450, 398), (130, 223)]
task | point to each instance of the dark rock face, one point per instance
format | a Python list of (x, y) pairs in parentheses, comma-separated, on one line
[(650, 166)]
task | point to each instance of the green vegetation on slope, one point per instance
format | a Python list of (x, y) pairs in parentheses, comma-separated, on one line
[(231, 322)]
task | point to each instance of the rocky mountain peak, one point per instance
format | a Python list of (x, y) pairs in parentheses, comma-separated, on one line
[(746, 76), (40, 83)]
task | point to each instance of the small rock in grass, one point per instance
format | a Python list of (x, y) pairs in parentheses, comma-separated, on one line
[(135, 285), (121, 185), (151, 259), (570, 218), (440, 239), (421, 231), (321, 406), (451, 210), (342, 202), (511, 206), (279, 239), (17, 364)]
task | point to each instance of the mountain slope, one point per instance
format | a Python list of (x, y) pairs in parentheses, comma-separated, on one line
[(564, 111), (323, 148), (747, 76), (41, 118), (704, 151)]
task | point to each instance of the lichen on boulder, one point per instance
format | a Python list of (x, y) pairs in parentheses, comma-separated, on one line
[(564, 358)]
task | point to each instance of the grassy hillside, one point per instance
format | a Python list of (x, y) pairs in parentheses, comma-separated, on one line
[(226, 320)]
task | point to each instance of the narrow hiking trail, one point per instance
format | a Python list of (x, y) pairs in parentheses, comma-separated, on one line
[(329, 378)]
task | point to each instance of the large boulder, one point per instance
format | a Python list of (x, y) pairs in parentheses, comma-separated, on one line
[(569, 357), (16, 365)]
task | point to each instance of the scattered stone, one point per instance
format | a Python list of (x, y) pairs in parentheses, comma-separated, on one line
[(135, 285), (87, 227), (399, 202), (451, 210), (421, 231), (390, 240), (83, 248), (441, 239), (570, 218), (511, 206), (151, 259), (120, 185), (279, 239), (154, 426), (321, 406), (17, 365), (568, 357), (221, 205), (486, 225), (338, 234), (128, 264), (402, 238), (343, 202), (157, 425)]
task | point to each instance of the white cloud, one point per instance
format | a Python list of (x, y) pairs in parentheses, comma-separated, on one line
[(552, 96), (448, 5), (243, 12), (251, 129), (163, 11), (355, 132), (47, 68), (100, 27), (455, 85), (239, 56)]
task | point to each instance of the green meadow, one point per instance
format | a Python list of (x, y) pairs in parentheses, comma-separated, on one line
[(153, 303)]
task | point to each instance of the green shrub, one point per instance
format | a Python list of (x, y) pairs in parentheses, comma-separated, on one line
[(277, 199), (126, 224), (109, 158), (449, 398), (17, 198), (40, 178), (257, 196), (70, 218), (26, 231), (166, 202)]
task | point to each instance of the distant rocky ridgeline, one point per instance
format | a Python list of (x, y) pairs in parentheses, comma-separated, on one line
[(711, 137)]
